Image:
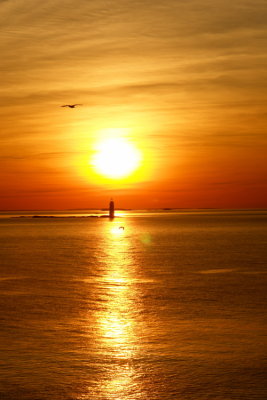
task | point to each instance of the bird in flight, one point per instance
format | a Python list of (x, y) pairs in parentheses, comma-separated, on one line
[(71, 105)]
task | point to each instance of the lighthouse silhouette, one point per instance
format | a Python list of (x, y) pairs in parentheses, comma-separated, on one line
[(111, 209)]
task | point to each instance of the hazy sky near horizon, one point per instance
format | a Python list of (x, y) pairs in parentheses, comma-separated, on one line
[(184, 80)]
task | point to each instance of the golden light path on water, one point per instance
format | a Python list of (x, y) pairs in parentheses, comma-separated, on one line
[(116, 321)]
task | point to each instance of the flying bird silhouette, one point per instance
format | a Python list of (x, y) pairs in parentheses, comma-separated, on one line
[(71, 105)]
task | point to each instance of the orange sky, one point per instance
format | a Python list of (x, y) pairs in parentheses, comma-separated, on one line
[(184, 81)]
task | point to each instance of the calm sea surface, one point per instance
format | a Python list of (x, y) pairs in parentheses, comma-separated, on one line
[(173, 306)]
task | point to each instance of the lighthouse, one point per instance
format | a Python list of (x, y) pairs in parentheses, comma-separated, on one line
[(111, 209)]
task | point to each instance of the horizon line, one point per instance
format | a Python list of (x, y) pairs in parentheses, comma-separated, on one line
[(139, 209)]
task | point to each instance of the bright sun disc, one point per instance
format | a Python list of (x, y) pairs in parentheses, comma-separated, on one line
[(116, 158)]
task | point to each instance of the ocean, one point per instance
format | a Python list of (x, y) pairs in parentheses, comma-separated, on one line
[(150, 306)]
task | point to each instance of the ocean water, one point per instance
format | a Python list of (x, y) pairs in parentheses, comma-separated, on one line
[(173, 306)]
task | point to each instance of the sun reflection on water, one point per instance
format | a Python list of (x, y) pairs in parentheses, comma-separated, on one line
[(116, 320), (120, 386)]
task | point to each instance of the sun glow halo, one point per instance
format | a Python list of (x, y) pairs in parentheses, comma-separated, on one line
[(116, 158)]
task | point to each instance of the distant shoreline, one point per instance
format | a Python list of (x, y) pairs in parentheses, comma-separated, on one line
[(67, 216)]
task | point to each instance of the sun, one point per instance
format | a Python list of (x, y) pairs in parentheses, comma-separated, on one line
[(116, 158)]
